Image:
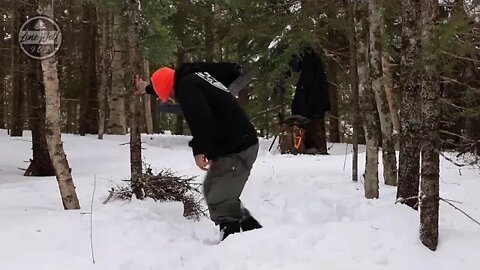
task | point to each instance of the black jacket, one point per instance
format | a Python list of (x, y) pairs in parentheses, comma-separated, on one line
[(311, 98), (218, 125)]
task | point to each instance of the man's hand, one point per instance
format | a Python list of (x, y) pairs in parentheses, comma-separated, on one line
[(140, 85), (202, 162)]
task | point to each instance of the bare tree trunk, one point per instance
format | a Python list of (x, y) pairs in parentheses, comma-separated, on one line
[(3, 91), (117, 122), (17, 116), (105, 71), (52, 124), (410, 113), (40, 164), (135, 63), (333, 123), (354, 81), (390, 92), (370, 115), (376, 77), (429, 187), (89, 99), (148, 104)]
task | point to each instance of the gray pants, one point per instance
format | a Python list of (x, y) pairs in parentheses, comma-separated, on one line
[(224, 184)]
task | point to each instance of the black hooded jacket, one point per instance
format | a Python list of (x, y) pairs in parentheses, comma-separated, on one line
[(311, 98), (218, 124)]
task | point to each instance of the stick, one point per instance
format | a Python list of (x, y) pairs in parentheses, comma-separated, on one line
[(463, 212), (271, 145), (91, 217)]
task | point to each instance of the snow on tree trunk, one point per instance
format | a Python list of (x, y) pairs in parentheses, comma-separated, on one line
[(376, 77), (135, 64), (354, 81), (104, 72), (52, 124), (369, 113), (117, 121), (430, 96), (410, 118)]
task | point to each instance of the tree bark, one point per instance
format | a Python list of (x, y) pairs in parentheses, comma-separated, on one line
[(390, 92), (52, 124), (105, 71), (430, 95), (333, 123), (370, 116), (40, 164), (3, 92), (376, 77), (354, 81), (89, 98), (410, 114), (117, 122), (17, 116), (135, 63), (147, 99)]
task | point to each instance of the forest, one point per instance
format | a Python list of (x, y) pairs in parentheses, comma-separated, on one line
[(401, 80)]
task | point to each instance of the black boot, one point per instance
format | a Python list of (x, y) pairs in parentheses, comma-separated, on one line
[(228, 228), (248, 222)]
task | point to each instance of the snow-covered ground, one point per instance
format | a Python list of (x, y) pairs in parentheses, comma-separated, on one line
[(314, 217)]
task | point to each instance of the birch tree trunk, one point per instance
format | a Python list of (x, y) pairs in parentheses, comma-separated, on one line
[(117, 122), (135, 63), (429, 187), (410, 114), (370, 116), (354, 81), (376, 77), (390, 92), (52, 124), (104, 72)]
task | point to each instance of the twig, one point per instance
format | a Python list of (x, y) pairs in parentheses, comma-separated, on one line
[(463, 212), (403, 200), (91, 217), (453, 201)]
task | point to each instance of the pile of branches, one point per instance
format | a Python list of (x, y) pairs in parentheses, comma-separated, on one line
[(165, 187)]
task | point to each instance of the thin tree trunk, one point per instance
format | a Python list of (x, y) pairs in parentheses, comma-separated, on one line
[(3, 91), (390, 92), (52, 124), (40, 164), (376, 77), (17, 116), (148, 104), (104, 72), (89, 99), (429, 187), (333, 123), (135, 63), (370, 116), (410, 113), (117, 122), (354, 81)]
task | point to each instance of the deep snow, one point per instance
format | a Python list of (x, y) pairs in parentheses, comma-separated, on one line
[(314, 217)]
